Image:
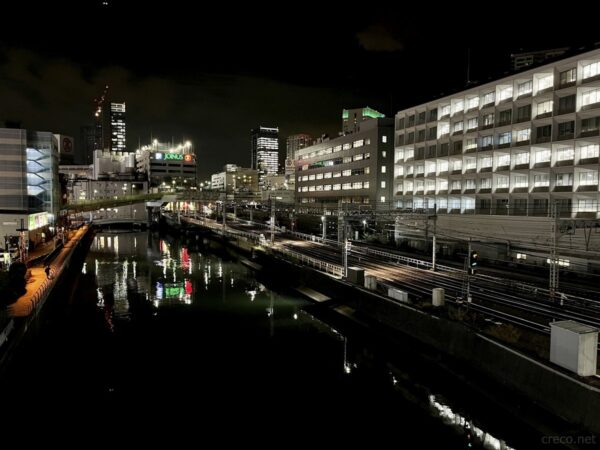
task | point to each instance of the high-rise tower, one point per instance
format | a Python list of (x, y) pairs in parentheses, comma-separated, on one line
[(264, 149)]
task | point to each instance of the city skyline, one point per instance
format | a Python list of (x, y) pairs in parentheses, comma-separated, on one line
[(210, 86)]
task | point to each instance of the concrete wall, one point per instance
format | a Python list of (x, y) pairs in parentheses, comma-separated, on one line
[(562, 395)]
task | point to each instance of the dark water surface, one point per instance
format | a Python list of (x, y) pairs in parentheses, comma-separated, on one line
[(183, 339)]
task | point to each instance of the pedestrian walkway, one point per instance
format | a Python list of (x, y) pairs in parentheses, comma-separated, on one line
[(39, 285)]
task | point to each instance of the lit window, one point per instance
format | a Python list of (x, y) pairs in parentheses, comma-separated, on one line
[(541, 180), (383, 169), (565, 154), (542, 156), (485, 183), (382, 199), (521, 181), (502, 182), (458, 107), (488, 98), (506, 93), (591, 70), (587, 205), (589, 151), (523, 135), (588, 178), (590, 97), (384, 138), (521, 158), (504, 138), (521, 256), (525, 88), (545, 82), (383, 185), (472, 123), (472, 103)]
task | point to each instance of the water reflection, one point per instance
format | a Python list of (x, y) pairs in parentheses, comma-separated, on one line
[(204, 303)]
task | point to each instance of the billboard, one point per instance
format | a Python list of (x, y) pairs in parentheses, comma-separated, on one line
[(66, 145), (37, 220)]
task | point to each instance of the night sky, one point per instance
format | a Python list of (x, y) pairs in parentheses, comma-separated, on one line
[(211, 73)]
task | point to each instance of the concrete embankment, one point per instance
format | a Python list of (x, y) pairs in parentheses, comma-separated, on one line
[(560, 393)]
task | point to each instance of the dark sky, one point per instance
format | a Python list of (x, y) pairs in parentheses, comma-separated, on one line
[(211, 73)]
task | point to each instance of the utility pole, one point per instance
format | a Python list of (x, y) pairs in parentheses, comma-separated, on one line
[(434, 231), (346, 251), (553, 287), (469, 273), (272, 219), (324, 222), (341, 224), (224, 215)]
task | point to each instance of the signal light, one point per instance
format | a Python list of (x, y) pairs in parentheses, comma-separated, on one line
[(473, 258), (473, 261)]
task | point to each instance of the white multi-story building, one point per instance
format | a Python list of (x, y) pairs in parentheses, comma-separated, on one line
[(515, 146), (354, 168), (494, 161)]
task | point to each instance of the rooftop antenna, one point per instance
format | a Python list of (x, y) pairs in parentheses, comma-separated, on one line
[(468, 66)]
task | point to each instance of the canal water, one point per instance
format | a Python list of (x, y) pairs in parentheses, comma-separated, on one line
[(184, 337)]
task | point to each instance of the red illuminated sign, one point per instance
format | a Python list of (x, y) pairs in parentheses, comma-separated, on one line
[(187, 158)]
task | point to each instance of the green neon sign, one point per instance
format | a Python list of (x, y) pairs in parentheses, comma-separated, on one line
[(174, 156)]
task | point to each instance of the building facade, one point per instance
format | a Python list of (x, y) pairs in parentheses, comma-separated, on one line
[(352, 118), (109, 124), (294, 143), (29, 186), (118, 131), (355, 169), (264, 148), (524, 59), (167, 165), (236, 182), (515, 146)]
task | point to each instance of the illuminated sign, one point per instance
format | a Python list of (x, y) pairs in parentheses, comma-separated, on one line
[(172, 156), (188, 158), (37, 220)]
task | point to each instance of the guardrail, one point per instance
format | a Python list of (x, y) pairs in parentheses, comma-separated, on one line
[(323, 266), (313, 238), (299, 257), (419, 263)]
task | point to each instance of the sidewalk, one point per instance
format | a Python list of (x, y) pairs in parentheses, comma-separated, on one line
[(39, 285)]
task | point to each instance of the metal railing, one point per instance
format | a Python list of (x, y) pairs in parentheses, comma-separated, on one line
[(323, 266), (419, 263)]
